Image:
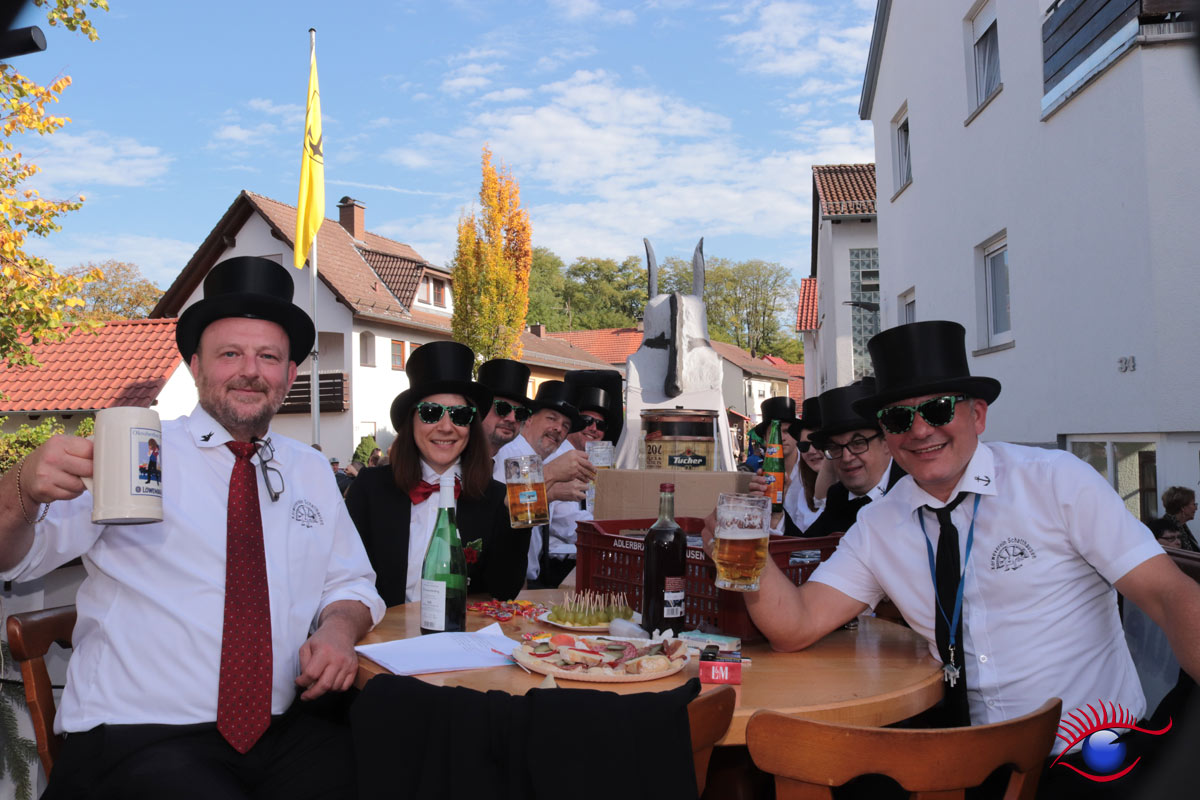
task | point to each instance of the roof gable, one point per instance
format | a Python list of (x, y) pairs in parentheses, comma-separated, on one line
[(124, 363), (845, 190)]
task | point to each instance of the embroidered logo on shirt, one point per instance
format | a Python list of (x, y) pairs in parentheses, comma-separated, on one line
[(1011, 554), (986, 480), (206, 437), (307, 514)]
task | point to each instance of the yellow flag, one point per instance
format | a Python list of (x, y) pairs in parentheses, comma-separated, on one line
[(310, 208)]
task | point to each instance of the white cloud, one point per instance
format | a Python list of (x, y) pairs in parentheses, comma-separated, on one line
[(159, 259), (507, 95), (237, 134), (290, 113), (72, 163), (578, 10), (469, 77), (796, 39)]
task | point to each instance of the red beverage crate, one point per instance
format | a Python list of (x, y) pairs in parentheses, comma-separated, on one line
[(609, 559)]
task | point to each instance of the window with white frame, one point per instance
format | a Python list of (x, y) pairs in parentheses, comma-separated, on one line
[(908, 306), (984, 62), (901, 149), (995, 312), (366, 349)]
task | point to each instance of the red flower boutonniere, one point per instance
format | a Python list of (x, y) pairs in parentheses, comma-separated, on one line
[(472, 549)]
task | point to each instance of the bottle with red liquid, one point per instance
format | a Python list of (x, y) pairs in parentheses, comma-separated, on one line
[(664, 565)]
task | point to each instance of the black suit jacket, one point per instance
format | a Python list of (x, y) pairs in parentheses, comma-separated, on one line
[(382, 514), (841, 510)]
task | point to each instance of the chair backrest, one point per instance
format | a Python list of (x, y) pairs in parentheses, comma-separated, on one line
[(30, 635), (1186, 560), (808, 757), (709, 716)]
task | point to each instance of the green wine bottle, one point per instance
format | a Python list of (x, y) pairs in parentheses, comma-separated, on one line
[(773, 464), (444, 573)]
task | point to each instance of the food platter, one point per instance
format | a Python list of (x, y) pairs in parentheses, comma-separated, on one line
[(658, 664), (545, 617)]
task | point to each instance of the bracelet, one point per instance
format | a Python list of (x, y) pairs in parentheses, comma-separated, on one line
[(21, 499)]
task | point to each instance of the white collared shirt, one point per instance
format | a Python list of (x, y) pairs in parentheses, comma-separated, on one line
[(1039, 608), (795, 501), (147, 645), (564, 516), (421, 520)]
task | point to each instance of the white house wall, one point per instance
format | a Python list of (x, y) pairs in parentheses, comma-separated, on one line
[(835, 341), (1099, 206)]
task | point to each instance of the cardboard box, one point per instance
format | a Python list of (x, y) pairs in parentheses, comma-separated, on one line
[(633, 493)]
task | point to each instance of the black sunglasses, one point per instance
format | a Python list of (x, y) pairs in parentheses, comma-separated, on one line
[(430, 413), (600, 424), (803, 447), (857, 446), (504, 408), (937, 411)]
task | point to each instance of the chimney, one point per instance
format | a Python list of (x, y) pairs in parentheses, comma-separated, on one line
[(350, 214), (538, 330)]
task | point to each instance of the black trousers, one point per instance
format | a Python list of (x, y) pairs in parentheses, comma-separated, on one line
[(305, 753)]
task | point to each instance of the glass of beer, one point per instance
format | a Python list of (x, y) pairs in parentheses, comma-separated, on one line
[(601, 455), (527, 503), (743, 526)]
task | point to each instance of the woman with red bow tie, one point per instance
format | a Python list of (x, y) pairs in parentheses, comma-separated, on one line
[(438, 424)]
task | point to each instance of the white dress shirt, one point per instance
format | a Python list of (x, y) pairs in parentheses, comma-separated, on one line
[(795, 501), (1039, 608), (147, 644), (420, 530)]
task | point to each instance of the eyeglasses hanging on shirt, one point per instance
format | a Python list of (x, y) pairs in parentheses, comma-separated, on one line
[(266, 454)]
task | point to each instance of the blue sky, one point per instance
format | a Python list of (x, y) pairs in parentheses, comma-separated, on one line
[(669, 119)]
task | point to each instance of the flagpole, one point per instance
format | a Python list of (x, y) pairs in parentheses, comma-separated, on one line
[(314, 388)]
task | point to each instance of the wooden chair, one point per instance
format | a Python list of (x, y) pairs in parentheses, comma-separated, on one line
[(808, 757), (30, 635), (709, 716), (1186, 560)]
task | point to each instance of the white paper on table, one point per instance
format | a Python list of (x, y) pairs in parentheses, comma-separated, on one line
[(442, 652)]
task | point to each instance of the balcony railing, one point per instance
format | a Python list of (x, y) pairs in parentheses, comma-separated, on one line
[(333, 394)]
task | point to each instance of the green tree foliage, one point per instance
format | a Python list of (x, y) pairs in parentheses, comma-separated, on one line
[(491, 269), (36, 299), (120, 291), (366, 446), (604, 294), (547, 282), (25, 439)]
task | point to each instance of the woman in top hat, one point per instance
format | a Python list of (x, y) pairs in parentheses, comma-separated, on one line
[(812, 475), (438, 430), (798, 486)]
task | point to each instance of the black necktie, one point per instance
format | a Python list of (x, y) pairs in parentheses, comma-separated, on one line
[(949, 574)]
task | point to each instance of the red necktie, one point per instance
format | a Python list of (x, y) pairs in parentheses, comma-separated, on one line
[(244, 693), (420, 493)]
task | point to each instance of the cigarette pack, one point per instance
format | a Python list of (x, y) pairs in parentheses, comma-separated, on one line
[(718, 667)]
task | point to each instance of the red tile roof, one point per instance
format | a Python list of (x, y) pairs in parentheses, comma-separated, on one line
[(560, 354), (124, 363), (806, 310), (845, 190), (611, 345), (748, 363)]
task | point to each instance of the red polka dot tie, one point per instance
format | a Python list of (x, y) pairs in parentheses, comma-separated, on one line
[(244, 694)]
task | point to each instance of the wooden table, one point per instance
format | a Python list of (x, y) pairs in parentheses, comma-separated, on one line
[(875, 675)]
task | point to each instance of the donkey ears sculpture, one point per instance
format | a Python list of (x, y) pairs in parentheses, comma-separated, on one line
[(697, 269)]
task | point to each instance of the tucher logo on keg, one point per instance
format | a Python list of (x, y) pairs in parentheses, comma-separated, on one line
[(686, 460)]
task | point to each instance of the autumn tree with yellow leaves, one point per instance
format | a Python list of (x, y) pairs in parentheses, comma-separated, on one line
[(37, 300), (491, 268)]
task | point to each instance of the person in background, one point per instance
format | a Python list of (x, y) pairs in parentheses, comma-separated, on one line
[(508, 381), (754, 459), (545, 435), (597, 394), (1179, 505), (438, 432), (193, 634), (1034, 541), (343, 480), (375, 457), (862, 465), (812, 475)]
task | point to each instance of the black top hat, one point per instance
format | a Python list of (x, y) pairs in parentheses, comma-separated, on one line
[(555, 396), (247, 286), (838, 412), (437, 368), (809, 419), (607, 380), (776, 408), (506, 378), (923, 358)]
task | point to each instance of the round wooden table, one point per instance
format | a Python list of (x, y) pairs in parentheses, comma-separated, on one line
[(878, 674)]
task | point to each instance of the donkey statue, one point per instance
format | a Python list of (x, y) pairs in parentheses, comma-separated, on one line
[(675, 367)]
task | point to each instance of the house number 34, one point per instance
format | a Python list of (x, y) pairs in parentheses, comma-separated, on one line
[(1126, 364)]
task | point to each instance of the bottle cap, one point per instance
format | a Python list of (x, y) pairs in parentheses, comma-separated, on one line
[(666, 487)]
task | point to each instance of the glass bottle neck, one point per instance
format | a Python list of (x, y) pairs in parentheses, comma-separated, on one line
[(666, 507)]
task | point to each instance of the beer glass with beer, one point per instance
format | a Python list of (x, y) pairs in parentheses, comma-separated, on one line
[(527, 502), (743, 526)]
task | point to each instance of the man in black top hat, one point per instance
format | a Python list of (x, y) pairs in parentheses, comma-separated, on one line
[(509, 382), (861, 462), (193, 633), (1007, 559), (597, 396)]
